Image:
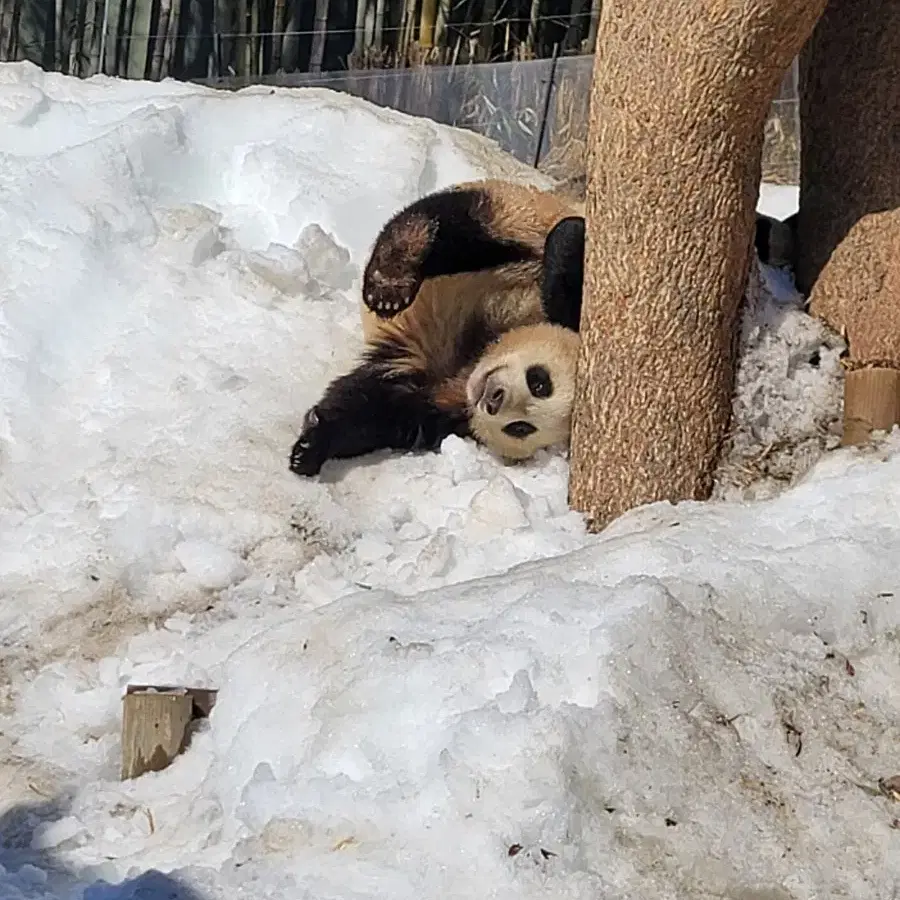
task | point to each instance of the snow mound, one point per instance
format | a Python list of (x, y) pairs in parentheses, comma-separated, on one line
[(175, 296), (431, 682)]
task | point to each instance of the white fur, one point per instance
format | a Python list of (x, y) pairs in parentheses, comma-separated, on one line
[(503, 368)]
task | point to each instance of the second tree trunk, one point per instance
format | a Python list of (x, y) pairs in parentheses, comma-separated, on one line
[(849, 222)]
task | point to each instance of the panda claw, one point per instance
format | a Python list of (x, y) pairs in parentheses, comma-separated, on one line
[(390, 300), (309, 451), (304, 462)]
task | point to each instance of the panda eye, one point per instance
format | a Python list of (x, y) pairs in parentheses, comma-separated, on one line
[(519, 430), (539, 381)]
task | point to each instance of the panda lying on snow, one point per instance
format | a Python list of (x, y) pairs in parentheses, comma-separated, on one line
[(470, 311)]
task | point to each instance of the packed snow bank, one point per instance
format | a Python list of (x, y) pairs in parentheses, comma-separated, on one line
[(698, 704), (432, 682)]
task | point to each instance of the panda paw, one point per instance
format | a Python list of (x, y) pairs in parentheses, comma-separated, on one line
[(310, 450), (388, 297)]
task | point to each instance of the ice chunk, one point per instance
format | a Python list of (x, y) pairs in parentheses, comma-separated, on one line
[(213, 566), (329, 263), (496, 508), (193, 232), (49, 835), (285, 268)]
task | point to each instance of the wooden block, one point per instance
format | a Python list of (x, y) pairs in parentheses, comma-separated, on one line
[(871, 403), (156, 724), (202, 699)]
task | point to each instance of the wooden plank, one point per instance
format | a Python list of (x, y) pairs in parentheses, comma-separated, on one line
[(156, 722)]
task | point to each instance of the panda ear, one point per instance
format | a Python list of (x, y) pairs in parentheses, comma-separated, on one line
[(562, 276)]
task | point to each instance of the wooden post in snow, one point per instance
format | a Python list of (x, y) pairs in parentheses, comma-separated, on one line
[(156, 723)]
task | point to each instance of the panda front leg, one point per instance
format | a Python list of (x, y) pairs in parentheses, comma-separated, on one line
[(370, 409), (562, 280)]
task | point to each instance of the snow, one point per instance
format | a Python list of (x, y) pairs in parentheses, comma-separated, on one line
[(788, 402), (780, 201), (431, 681)]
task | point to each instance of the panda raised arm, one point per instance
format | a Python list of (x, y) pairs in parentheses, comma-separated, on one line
[(472, 227)]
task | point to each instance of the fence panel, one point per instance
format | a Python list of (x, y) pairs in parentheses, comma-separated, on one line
[(505, 102)]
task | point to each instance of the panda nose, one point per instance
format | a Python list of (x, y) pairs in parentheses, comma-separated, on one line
[(494, 401)]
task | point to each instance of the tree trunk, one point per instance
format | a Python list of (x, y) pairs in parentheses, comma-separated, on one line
[(278, 20), (256, 40), (849, 220), (320, 32), (680, 95), (241, 41), (76, 48), (359, 42), (59, 9), (138, 39), (379, 24), (407, 18), (159, 40), (427, 21), (440, 29), (531, 40), (171, 39)]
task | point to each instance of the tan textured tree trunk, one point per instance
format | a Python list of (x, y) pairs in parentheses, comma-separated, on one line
[(680, 94), (849, 221)]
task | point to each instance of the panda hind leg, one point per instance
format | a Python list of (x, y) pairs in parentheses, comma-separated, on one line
[(371, 408), (445, 233), (562, 278)]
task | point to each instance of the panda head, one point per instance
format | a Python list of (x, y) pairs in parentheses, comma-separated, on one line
[(521, 391)]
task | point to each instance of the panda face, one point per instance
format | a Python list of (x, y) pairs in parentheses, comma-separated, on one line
[(521, 391)]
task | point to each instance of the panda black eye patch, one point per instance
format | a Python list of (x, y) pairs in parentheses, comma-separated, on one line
[(539, 381), (519, 430)]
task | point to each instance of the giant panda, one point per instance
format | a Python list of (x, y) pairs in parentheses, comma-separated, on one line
[(471, 302), (471, 306)]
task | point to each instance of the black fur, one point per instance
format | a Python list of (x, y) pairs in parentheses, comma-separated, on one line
[(563, 273), (539, 382), (373, 408), (460, 240), (364, 411)]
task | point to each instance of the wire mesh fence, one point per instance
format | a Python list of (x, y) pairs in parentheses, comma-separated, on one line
[(537, 110)]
